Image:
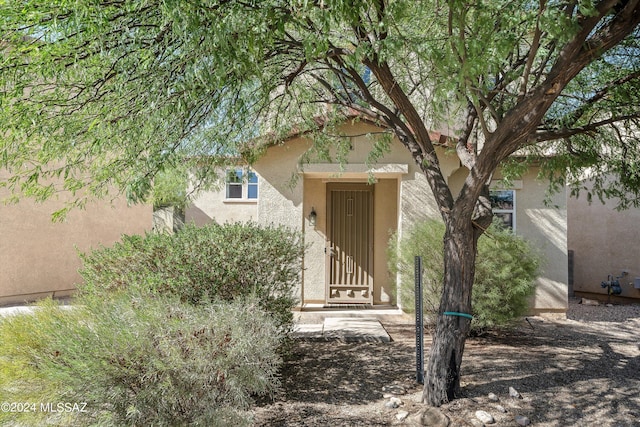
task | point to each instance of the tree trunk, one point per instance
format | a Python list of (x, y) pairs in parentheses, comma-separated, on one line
[(442, 379)]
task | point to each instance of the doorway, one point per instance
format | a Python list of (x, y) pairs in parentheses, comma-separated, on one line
[(349, 252)]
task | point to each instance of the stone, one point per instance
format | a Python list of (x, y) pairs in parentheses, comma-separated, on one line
[(433, 417), (402, 415), (393, 403), (394, 389), (501, 409), (513, 393), (485, 417), (587, 301), (522, 420), (492, 397)]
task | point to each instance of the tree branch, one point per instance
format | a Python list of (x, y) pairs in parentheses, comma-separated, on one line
[(550, 135), (535, 44), (467, 153), (573, 58), (600, 94)]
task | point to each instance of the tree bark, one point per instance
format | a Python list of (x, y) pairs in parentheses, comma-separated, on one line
[(442, 379)]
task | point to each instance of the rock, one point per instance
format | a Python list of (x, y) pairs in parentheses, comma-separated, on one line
[(587, 301), (522, 420), (433, 417), (402, 415), (393, 403), (485, 417), (513, 393), (501, 409), (394, 389), (492, 397)]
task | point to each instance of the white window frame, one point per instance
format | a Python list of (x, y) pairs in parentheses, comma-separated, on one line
[(511, 210), (243, 183)]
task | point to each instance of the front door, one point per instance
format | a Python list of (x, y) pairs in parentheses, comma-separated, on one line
[(350, 246)]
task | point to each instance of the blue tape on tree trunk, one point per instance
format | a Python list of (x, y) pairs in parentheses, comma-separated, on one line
[(455, 313)]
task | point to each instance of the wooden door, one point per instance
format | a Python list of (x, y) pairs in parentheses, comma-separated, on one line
[(350, 246)]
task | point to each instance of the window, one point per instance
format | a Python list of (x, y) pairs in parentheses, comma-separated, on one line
[(234, 184), (241, 185), (503, 203), (252, 186)]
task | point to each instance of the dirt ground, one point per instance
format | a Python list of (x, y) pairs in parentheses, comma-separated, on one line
[(582, 371)]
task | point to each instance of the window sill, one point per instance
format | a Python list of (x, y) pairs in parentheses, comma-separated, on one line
[(241, 201)]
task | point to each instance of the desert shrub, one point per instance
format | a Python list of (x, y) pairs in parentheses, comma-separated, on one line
[(140, 360), (424, 239), (506, 269), (204, 264)]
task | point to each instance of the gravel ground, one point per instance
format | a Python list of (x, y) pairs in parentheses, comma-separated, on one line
[(582, 371)]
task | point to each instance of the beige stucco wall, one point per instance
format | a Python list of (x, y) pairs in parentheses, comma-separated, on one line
[(546, 228), (212, 205), (604, 241), (38, 257), (315, 197), (385, 224)]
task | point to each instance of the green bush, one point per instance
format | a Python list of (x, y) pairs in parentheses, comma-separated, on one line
[(139, 360), (506, 269), (204, 264)]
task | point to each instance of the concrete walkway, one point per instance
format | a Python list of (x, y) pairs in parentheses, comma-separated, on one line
[(347, 329), (24, 309), (357, 325), (18, 309)]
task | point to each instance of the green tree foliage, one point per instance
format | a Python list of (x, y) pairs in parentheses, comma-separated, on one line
[(107, 94), (506, 270), (202, 265), (132, 360), (170, 189)]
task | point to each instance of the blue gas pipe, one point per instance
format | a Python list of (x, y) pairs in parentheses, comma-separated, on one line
[(613, 285)]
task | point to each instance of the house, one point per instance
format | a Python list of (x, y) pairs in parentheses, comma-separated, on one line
[(603, 242), (349, 212), (39, 258)]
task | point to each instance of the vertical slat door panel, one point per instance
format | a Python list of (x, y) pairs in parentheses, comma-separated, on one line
[(350, 275)]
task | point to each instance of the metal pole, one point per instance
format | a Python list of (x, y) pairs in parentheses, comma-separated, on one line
[(419, 322)]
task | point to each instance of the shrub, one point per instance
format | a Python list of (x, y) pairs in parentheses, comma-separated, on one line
[(138, 360), (203, 264), (506, 269), (424, 239)]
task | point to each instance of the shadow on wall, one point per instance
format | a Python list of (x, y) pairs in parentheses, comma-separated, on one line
[(168, 219), (550, 235), (197, 216), (417, 201), (552, 225)]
